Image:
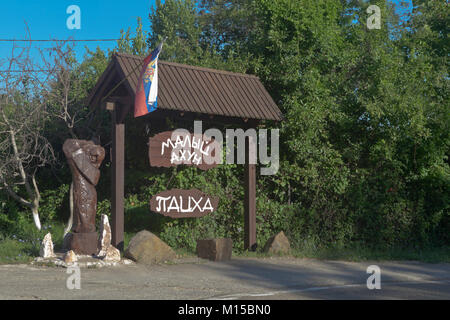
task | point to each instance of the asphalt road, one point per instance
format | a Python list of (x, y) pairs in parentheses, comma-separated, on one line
[(240, 278)]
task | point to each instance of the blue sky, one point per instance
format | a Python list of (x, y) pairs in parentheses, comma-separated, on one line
[(47, 19)]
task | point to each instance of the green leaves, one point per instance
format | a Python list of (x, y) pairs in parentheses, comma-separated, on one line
[(365, 109), (365, 144)]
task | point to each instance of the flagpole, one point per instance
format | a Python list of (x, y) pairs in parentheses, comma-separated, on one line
[(126, 77)]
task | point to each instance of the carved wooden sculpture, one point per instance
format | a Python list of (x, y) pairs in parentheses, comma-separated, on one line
[(84, 158)]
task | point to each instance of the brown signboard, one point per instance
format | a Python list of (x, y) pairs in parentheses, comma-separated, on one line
[(172, 148), (177, 203)]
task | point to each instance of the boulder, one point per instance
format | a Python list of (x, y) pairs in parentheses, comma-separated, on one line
[(278, 244), (215, 249), (70, 257), (104, 241), (147, 248), (46, 250)]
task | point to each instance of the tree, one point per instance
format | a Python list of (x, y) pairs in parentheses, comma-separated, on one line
[(191, 28), (135, 45), (42, 105), (365, 142), (23, 147), (69, 85)]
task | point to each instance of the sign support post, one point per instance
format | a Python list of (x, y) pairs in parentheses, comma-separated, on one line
[(249, 201), (118, 179)]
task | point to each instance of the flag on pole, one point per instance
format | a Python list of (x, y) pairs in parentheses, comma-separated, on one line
[(146, 99)]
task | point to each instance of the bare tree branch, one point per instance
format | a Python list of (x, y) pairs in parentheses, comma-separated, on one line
[(23, 146)]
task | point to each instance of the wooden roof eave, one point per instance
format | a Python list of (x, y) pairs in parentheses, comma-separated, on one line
[(112, 71), (101, 84), (120, 68)]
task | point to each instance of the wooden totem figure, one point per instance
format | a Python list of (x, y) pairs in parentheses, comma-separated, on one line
[(84, 159)]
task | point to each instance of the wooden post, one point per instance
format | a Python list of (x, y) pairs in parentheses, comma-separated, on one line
[(249, 201), (118, 178)]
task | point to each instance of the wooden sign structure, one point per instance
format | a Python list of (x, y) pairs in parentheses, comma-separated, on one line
[(228, 98), (177, 203), (172, 148)]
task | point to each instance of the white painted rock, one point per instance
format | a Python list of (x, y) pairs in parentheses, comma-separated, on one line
[(70, 257), (107, 251), (127, 261), (112, 254), (46, 250), (104, 242)]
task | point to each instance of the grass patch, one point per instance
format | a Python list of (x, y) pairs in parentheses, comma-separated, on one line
[(252, 254), (430, 255), (22, 245), (15, 252), (49, 264), (126, 238), (358, 253), (184, 253)]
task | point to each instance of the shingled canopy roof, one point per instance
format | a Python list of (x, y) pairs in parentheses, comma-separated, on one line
[(187, 88)]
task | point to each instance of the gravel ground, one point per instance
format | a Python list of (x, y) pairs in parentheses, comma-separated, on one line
[(240, 278)]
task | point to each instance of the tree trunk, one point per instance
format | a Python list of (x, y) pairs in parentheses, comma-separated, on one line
[(70, 222), (35, 212)]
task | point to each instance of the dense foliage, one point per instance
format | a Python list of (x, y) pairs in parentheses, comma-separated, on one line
[(365, 143)]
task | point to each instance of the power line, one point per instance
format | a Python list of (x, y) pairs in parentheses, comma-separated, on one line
[(31, 71), (50, 40)]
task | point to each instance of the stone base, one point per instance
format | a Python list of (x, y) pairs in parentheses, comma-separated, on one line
[(83, 261), (84, 243), (66, 241), (215, 249)]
